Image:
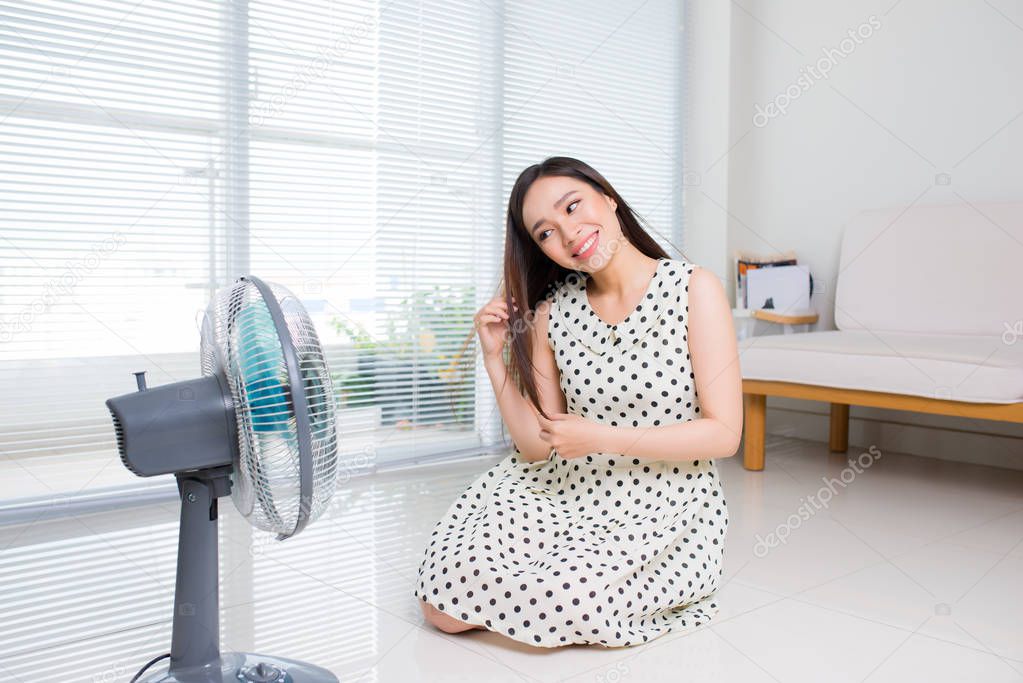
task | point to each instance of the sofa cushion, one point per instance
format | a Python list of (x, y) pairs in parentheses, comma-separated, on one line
[(986, 369), (934, 269)]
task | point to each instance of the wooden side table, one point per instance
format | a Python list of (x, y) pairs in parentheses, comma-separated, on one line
[(756, 322)]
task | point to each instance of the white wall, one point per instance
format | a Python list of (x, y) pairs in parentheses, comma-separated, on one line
[(707, 135), (936, 88)]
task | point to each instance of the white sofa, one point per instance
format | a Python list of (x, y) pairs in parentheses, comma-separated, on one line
[(929, 311)]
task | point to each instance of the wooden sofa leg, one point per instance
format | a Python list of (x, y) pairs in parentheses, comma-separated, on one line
[(754, 423), (839, 439)]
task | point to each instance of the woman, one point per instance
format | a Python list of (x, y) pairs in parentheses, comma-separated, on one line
[(606, 525)]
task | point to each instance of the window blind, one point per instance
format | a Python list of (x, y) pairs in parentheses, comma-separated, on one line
[(111, 114), (602, 83), (152, 153), (359, 153)]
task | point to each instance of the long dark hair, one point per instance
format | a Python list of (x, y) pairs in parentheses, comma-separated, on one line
[(530, 275)]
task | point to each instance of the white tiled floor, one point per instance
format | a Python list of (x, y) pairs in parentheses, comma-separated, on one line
[(911, 571)]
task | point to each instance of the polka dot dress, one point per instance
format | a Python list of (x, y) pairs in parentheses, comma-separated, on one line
[(601, 549)]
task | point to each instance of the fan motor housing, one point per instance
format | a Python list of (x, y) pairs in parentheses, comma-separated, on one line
[(177, 427)]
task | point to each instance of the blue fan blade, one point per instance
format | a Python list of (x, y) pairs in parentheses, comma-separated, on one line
[(261, 363)]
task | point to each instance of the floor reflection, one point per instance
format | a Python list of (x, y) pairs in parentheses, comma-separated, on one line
[(89, 598)]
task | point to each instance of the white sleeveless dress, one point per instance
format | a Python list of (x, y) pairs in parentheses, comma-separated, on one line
[(601, 549)]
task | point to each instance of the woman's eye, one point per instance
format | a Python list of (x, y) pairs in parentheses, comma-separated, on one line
[(541, 238)]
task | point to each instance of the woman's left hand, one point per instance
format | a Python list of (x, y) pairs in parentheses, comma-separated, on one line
[(571, 435)]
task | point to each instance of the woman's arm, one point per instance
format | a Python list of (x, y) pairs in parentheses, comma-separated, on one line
[(518, 412), (714, 354)]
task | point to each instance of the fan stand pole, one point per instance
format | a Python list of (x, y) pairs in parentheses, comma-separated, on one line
[(195, 641)]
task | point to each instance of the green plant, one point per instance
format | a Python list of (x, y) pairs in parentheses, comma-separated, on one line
[(417, 339), (356, 388)]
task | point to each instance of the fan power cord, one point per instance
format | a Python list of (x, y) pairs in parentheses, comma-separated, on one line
[(151, 662)]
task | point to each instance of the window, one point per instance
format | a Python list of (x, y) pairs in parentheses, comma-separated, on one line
[(359, 153)]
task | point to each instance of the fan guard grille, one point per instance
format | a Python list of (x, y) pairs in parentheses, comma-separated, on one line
[(240, 340)]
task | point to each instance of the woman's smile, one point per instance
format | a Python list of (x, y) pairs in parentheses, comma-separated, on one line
[(589, 246)]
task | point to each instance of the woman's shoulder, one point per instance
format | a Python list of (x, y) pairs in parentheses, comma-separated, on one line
[(681, 265), (678, 272)]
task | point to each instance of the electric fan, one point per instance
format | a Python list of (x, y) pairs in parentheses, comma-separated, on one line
[(259, 424)]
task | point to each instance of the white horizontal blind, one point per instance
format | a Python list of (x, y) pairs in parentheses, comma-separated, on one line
[(151, 152), (438, 207), (600, 82), (367, 171), (111, 116), (360, 154), (346, 206)]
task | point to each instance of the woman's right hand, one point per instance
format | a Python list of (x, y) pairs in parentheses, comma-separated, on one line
[(491, 323)]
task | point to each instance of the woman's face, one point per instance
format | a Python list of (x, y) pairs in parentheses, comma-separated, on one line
[(572, 223)]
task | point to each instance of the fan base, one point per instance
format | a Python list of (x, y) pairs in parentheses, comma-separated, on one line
[(243, 667)]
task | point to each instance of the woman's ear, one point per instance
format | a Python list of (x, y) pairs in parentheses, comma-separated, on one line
[(612, 202)]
